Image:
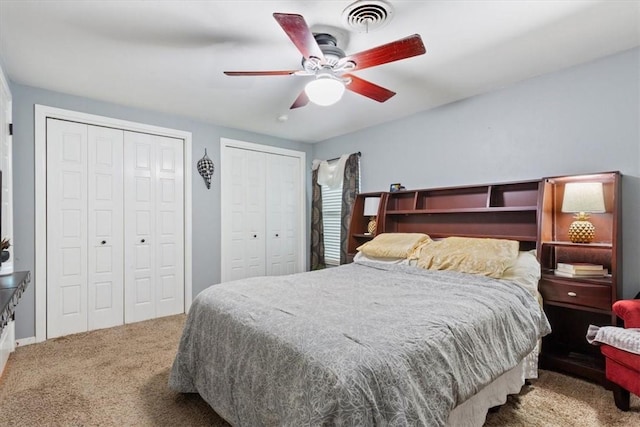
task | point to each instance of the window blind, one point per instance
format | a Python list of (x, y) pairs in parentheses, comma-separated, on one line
[(331, 219), (331, 213)]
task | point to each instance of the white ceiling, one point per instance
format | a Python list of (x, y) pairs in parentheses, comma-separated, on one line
[(169, 55)]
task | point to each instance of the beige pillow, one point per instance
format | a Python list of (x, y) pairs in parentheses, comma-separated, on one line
[(486, 257), (393, 245)]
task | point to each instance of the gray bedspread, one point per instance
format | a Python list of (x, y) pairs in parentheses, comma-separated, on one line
[(356, 345)]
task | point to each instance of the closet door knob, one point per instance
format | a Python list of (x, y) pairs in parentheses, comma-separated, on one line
[(103, 242), (255, 236), (142, 241), (277, 235)]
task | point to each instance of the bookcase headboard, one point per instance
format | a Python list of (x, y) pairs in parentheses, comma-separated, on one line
[(503, 211)]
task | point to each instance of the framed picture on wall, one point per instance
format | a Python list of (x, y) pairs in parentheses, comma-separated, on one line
[(395, 187)]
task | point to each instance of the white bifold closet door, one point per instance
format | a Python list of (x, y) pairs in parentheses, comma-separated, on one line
[(115, 227), (154, 232), (247, 182), (262, 210), (84, 227), (283, 186)]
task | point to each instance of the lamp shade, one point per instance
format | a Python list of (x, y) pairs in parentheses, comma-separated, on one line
[(324, 90), (371, 206), (583, 197)]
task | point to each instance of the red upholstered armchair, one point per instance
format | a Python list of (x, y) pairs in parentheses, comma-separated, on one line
[(622, 367)]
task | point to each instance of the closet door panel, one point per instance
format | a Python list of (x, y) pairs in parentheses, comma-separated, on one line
[(245, 204), (105, 228), (169, 233), (139, 223), (292, 214), (66, 228), (233, 260), (282, 214), (274, 215), (254, 200)]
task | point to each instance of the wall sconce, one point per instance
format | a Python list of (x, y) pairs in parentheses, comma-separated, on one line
[(583, 198), (371, 210)]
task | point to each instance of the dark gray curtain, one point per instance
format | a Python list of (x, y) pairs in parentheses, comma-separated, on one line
[(350, 188), (317, 229)]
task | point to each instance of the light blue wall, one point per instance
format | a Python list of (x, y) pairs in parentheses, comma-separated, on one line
[(206, 203), (579, 120)]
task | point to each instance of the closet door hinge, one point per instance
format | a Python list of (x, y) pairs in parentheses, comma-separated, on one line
[(10, 128)]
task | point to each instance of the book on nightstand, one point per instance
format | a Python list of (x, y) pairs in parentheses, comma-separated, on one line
[(578, 266), (580, 269), (590, 271)]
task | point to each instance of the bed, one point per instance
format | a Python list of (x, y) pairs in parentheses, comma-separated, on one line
[(367, 343), (417, 330)]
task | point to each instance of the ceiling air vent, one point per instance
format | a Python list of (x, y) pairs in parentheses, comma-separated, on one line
[(366, 16)]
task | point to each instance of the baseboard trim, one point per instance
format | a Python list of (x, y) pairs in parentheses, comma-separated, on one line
[(25, 341)]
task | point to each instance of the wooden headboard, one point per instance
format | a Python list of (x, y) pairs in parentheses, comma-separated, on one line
[(504, 210)]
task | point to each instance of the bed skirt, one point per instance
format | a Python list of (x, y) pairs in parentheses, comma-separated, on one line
[(473, 412)]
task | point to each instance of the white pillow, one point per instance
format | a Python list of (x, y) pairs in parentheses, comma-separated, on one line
[(361, 256), (525, 271)]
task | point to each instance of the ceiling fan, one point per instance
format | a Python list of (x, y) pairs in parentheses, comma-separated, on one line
[(331, 67)]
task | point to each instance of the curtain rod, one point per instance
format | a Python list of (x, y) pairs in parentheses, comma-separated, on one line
[(337, 158)]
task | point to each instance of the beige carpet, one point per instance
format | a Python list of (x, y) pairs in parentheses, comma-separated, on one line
[(118, 376)]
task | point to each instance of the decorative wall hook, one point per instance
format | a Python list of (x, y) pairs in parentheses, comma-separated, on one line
[(206, 168)]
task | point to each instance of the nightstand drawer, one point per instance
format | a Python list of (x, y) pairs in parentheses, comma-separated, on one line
[(596, 296)]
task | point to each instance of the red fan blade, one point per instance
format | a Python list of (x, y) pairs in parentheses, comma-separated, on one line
[(368, 89), (300, 34), (260, 73), (394, 51), (300, 101)]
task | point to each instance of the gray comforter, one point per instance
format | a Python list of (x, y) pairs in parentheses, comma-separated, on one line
[(360, 344)]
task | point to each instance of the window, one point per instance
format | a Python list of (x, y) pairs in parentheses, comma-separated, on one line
[(331, 218), (331, 214)]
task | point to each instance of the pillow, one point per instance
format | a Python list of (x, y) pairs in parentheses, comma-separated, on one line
[(524, 272), (361, 256), (393, 245), (486, 257)]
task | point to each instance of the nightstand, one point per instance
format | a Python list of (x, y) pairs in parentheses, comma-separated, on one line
[(571, 306), (573, 303)]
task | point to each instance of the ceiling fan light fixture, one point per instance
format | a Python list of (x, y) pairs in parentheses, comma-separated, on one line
[(324, 90)]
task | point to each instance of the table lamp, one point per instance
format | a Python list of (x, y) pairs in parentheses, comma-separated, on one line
[(371, 210), (582, 198)]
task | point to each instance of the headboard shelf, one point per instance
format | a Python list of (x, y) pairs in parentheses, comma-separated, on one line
[(584, 245), (485, 236), (453, 198), (501, 211), (514, 194), (458, 210), (510, 194), (401, 201)]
